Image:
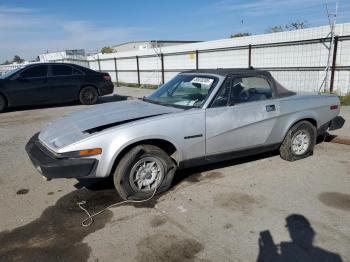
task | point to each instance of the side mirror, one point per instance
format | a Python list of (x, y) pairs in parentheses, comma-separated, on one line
[(198, 85)]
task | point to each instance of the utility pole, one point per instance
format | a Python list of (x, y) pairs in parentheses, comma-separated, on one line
[(332, 17)]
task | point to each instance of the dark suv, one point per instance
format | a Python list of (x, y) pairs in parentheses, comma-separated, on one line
[(45, 83)]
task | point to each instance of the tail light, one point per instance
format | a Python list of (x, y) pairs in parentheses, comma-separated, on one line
[(333, 107), (107, 77)]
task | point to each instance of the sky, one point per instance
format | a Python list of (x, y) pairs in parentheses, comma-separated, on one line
[(31, 27)]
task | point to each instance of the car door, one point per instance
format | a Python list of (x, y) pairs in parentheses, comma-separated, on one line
[(64, 82), (242, 115), (29, 86)]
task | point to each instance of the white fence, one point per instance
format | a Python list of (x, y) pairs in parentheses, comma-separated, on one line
[(296, 59), (5, 68)]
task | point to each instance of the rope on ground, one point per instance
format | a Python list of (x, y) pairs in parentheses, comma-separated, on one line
[(89, 220)]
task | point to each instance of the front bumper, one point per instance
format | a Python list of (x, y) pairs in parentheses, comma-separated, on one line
[(52, 166)]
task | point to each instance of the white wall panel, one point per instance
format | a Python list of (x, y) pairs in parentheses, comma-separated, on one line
[(150, 63), (169, 75), (151, 78), (298, 80), (183, 61), (224, 59), (127, 77), (113, 76), (342, 82), (306, 55), (343, 53), (107, 65), (127, 64), (93, 65)]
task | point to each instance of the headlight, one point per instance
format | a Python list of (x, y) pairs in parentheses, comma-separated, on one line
[(82, 153)]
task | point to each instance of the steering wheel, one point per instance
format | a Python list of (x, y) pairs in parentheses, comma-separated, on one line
[(244, 95), (196, 96)]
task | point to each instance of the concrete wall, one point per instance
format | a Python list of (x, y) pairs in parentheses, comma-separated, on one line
[(296, 58)]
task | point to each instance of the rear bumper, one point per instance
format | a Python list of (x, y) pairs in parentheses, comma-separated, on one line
[(106, 88), (52, 166), (336, 123)]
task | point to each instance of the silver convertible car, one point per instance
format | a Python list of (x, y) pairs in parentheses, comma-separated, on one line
[(198, 117)]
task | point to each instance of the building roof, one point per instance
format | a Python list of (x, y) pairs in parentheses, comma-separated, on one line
[(159, 41)]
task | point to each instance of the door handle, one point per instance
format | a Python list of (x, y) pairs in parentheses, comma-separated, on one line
[(270, 108)]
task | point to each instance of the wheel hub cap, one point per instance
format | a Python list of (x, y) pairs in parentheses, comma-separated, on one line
[(88, 95), (146, 174), (300, 142)]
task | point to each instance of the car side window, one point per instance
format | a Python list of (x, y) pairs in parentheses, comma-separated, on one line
[(35, 71), (61, 70), (76, 71), (249, 89), (223, 96)]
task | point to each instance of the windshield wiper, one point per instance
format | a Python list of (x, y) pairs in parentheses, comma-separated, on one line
[(152, 101), (166, 104)]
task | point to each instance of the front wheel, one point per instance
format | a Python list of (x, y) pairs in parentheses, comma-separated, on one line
[(299, 142), (144, 170), (88, 95)]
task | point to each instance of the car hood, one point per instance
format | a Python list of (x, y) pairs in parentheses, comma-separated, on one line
[(81, 124)]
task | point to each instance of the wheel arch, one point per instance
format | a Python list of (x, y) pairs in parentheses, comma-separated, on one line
[(6, 98), (169, 147), (309, 118)]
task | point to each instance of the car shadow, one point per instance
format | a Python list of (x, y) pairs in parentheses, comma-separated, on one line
[(101, 100), (301, 248), (105, 186), (188, 174)]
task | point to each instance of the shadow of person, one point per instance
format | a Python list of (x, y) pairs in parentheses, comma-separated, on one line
[(300, 249)]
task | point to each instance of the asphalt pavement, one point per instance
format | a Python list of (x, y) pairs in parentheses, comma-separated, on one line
[(259, 207)]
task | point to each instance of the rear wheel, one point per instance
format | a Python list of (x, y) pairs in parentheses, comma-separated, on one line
[(299, 142), (88, 95), (142, 171), (3, 103)]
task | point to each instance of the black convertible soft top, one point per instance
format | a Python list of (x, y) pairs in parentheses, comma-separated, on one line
[(281, 91)]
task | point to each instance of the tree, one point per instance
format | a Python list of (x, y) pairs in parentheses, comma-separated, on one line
[(288, 27), (107, 50), (297, 25), (17, 59), (240, 34), (274, 29)]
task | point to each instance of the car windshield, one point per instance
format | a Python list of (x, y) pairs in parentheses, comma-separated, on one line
[(10, 72), (184, 91)]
